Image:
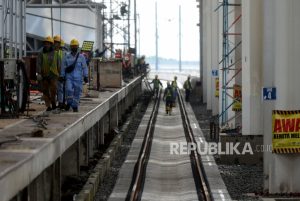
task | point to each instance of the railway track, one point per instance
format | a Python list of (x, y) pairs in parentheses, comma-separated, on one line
[(156, 174)]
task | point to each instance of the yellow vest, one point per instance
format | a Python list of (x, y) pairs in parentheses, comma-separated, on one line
[(50, 67)]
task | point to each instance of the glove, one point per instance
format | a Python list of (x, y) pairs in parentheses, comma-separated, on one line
[(86, 80), (39, 77)]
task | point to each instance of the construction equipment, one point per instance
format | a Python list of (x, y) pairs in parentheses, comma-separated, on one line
[(14, 87)]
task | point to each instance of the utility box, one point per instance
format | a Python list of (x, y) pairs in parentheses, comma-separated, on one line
[(111, 74), (105, 74)]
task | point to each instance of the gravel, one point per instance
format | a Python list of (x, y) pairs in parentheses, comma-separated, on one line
[(242, 181), (106, 188)]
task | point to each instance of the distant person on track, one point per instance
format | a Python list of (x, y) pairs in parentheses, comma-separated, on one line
[(73, 69), (188, 88), (47, 72), (168, 97), (174, 86), (156, 83)]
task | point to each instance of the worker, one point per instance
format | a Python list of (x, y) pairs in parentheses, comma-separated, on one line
[(188, 88), (156, 82), (168, 97), (174, 86), (126, 64), (47, 72), (58, 47), (73, 69)]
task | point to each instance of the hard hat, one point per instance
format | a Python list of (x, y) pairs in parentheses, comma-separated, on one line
[(74, 42), (62, 43), (49, 39), (57, 38)]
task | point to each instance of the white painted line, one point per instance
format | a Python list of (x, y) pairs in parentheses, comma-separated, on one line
[(210, 164), (201, 140), (222, 195), (195, 126)]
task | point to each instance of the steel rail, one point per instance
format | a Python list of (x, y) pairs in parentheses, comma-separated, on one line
[(194, 155), (138, 179)]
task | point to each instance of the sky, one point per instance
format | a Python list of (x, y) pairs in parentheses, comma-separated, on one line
[(168, 28)]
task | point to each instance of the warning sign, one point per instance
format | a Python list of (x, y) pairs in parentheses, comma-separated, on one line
[(87, 46), (286, 131), (217, 87), (237, 95)]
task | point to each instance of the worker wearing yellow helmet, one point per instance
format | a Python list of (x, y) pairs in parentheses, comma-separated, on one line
[(156, 83), (74, 67), (61, 84), (188, 88), (175, 86), (47, 72), (168, 98)]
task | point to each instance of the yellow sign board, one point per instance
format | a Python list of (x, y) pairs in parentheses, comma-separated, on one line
[(217, 87), (237, 95), (87, 46), (286, 131)]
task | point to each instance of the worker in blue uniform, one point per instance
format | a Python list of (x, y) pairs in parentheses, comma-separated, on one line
[(74, 68)]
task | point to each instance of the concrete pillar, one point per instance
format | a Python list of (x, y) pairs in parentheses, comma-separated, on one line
[(84, 150), (113, 117), (47, 186), (90, 143), (252, 67), (101, 131), (205, 44), (214, 54), (70, 161), (281, 70), (208, 49)]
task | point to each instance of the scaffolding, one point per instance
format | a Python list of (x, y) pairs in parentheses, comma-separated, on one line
[(229, 48), (117, 24)]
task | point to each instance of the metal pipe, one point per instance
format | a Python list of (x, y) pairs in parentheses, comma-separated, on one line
[(135, 29), (156, 38), (129, 7), (180, 38), (2, 31), (11, 28), (24, 28), (102, 6), (16, 28), (19, 21)]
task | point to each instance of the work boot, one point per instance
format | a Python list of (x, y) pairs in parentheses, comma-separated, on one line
[(53, 106), (68, 106), (75, 109), (60, 106), (48, 109)]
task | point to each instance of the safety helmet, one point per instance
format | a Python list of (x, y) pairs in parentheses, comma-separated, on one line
[(49, 39), (57, 38), (62, 43), (74, 42)]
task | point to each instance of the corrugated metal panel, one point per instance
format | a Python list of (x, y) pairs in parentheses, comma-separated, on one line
[(77, 23)]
